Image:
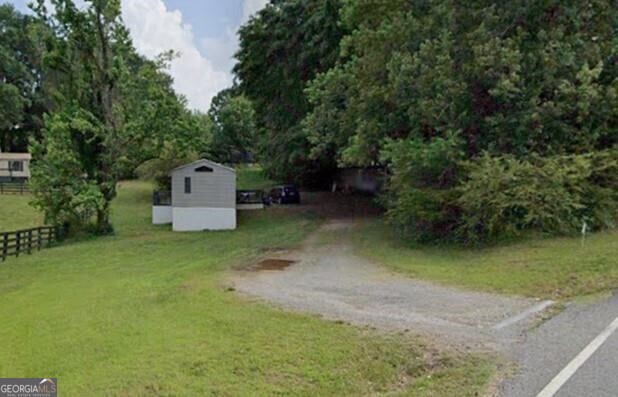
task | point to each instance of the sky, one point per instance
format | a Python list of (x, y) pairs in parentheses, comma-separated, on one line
[(202, 31)]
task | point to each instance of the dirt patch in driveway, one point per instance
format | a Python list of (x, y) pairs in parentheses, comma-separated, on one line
[(272, 264), (330, 280)]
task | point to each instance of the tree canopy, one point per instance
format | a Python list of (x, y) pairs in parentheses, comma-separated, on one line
[(234, 128), (518, 78), (22, 91), (110, 110), (488, 118), (281, 49), (424, 88)]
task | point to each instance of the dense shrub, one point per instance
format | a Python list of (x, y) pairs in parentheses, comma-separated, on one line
[(60, 185), (503, 196), (420, 197), (510, 79)]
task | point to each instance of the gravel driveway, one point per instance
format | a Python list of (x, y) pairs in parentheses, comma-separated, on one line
[(330, 280)]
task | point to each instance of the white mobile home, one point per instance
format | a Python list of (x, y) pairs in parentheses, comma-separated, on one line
[(14, 167), (203, 197)]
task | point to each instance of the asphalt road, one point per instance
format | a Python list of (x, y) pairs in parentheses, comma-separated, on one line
[(547, 350)]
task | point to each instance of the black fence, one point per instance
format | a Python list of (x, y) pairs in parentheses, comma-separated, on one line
[(162, 198), (25, 241), (14, 188), (249, 197)]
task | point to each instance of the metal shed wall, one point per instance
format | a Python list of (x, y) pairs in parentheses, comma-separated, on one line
[(215, 189)]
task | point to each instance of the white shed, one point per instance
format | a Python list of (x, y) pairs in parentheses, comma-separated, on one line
[(203, 198)]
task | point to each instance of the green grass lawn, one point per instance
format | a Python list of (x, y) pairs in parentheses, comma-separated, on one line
[(15, 213), (251, 177), (555, 268), (148, 312)]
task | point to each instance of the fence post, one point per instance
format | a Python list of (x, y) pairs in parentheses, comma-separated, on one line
[(30, 242), (5, 246), (60, 232), (26, 240), (17, 243)]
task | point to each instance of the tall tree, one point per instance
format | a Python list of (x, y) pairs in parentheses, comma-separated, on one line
[(22, 99), (281, 49), (152, 115), (76, 169), (234, 131), (421, 86), (521, 77)]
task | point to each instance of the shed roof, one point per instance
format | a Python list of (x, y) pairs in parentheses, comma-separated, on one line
[(204, 162), (15, 156)]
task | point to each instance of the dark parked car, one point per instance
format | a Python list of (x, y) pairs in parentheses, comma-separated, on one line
[(286, 194)]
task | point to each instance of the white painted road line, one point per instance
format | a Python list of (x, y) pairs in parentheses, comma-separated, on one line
[(552, 388), (528, 312)]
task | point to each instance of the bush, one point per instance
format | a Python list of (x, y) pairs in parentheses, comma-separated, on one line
[(420, 196), (503, 196), (424, 214), (66, 185)]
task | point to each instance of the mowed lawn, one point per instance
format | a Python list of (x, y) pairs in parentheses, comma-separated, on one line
[(148, 312), (556, 268), (15, 213)]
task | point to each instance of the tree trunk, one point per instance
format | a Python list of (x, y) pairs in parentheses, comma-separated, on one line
[(106, 88), (104, 226)]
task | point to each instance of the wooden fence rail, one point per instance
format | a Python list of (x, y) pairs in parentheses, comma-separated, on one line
[(14, 188), (28, 240)]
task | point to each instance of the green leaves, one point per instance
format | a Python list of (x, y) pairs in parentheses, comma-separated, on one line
[(76, 163), (281, 49), (111, 110), (62, 187), (420, 198), (234, 129), (504, 196), (422, 86), (21, 102), (150, 114)]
